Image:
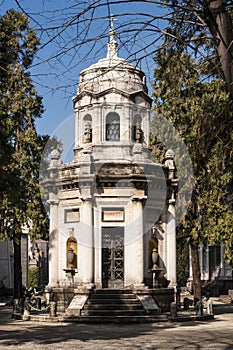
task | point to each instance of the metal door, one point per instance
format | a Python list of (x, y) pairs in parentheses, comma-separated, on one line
[(113, 257)]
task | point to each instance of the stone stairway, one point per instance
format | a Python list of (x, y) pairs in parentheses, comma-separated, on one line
[(113, 302), (113, 306)]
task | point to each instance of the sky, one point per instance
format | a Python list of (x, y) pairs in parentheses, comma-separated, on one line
[(65, 51), (57, 106), (56, 79), (73, 35)]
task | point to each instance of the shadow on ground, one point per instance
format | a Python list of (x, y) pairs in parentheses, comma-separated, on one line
[(16, 332)]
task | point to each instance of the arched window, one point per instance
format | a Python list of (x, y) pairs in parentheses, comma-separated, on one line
[(87, 127), (112, 127), (71, 253)]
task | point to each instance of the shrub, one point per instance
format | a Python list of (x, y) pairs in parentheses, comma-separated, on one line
[(33, 277)]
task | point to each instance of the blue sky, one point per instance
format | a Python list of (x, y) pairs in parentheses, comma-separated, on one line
[(56, 79), (59, 61)]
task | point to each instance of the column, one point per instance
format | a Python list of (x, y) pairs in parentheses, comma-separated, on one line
[(86, 265), (97, 246), (134, 246), (171, 244), (53, 242)]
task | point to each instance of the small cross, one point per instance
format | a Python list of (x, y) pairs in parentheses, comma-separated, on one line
[(111, 20)]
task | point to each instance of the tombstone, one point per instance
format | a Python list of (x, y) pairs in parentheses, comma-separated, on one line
[(209, 305), (173, 310), (53, 309), (199, 308)]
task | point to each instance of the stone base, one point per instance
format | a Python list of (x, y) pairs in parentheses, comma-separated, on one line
[(72, 298), (63, 295), (162, 296)]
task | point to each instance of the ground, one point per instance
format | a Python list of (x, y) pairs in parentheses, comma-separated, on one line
[(214, 334)]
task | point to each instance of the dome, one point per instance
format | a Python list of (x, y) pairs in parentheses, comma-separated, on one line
[(112, 72)]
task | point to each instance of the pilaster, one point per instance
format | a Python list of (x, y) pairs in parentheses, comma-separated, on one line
[(171, 244), (53, 241), (86, 261)]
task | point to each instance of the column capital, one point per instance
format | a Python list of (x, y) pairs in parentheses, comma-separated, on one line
[(53, 201)]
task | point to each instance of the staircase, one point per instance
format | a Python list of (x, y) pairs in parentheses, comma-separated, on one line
[(113, 302), (114, 306)]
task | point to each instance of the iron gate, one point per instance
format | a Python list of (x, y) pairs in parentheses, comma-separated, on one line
[(112, 257)]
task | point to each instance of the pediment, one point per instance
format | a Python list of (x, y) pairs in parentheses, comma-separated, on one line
[(131, 96)]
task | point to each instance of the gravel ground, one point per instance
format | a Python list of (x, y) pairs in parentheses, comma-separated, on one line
[(214, 334)]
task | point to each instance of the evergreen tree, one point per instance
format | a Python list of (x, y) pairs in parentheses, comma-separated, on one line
[(200, 110), (21, 146)]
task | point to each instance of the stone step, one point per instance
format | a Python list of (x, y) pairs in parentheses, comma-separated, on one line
[(92, 306), (112, 301), (106, 312), (118, 319), (112, 296), (112, 291)]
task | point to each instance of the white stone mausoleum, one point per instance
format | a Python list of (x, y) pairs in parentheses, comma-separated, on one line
[(112, 209)]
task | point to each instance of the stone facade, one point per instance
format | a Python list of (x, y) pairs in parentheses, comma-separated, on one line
[(216, 274), (112, 205)]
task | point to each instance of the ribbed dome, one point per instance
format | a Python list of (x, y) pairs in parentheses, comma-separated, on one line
[(112, 72)]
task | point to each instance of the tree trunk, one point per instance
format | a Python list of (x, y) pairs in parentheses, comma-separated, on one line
[(17, 267), (196, 270), (220, 25)]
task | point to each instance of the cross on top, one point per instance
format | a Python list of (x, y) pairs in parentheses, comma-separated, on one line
[(111, 20), (112, 44)]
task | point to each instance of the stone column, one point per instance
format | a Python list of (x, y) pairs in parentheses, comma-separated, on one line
[(86, 267), (171, 244), (134, 247), (53, 242), (172, 184), (97, 246)]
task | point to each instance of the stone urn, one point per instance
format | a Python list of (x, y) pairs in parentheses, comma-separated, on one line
[(154, 257), (70, 256)]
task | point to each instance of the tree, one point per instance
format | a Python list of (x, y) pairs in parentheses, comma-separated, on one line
[(200, 110), (219, 20), (200, 27), (140, 26), (20, 199)]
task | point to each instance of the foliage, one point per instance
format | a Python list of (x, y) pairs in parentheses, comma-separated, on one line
[(21, 146), (182, 261), (201, 111), (74, 33), (33, 277)]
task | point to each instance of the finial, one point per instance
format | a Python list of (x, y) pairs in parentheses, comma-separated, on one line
[(111, 22), (112, 45), (112, 19)]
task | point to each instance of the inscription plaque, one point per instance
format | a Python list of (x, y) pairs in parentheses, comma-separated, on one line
[(111, 215)]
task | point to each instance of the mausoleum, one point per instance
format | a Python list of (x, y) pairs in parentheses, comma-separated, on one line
[(112, 209)]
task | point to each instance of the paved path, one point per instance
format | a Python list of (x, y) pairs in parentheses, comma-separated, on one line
[(216, 334)]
